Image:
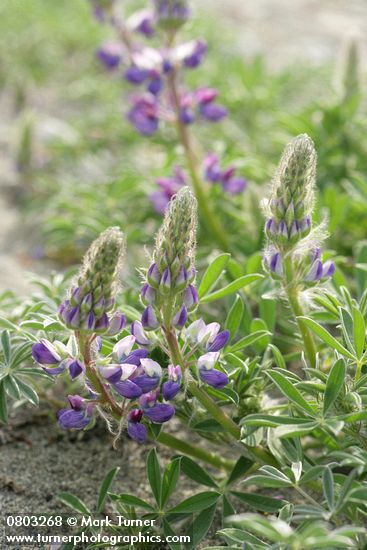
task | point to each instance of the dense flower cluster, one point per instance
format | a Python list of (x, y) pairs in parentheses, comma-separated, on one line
[(227, 178), (289, 224), (127, 385), (151, 68), (156, 73), (93, 296)]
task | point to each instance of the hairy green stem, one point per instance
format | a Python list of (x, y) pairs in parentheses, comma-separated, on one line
[(195, 451), (258, 454), (209, 217), (292, 292)]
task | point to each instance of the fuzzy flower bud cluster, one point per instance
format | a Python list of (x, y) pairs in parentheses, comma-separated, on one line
[(169, 293), (289, 212), (92, 298)]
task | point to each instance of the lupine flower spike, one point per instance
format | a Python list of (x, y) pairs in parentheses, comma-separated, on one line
[(292, 255)]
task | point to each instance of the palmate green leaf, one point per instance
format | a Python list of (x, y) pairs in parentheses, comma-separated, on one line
[(212, 274), (132, 500), (278, 357), (272, 421), (290, 391), (75, 503), (154, 475), (195, 472), (238, 284), (261, 503), (248, 340), (334, 384), (359, 332), (326, 337), (295, 430), (169, 532), (196, 503), (328, 486), (200, 526), (28, 392), (106, 484), (11, 387), (239, 536), (3, 405), (242, 466), (169, 480), (5, 345), (272, 529), (234, 317)]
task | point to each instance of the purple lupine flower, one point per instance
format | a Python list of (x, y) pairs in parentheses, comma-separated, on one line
[(159, 413), (102, 323), (112, 373), (193, 58), (165, 283), (110, 54), (149, 319), (147, 294), (135, 357), (207, 333), (205, 95), (144, 114), (315, 272), (270, 228), (137, 330), (45, 353), (213, 112), (155, 82), (328, 269), (219, 342), (122, 348), (73, 316), (128, 389), (135, 429), (181, 279), (89, 321), (275, 264), (179, 320), (149, 399), (153, 275), (213, 377), (135, 75), (76, 368), (169, 186), (151, 377), (208, 360), (79, 416), (117, 323), (212, 168), (171, 13), (137, 432), (142, 21), (234, 185), (191, 297), (230, 182), (171, 387)]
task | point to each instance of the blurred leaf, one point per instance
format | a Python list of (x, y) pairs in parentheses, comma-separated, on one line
[(325, 336), (290, 391), (105, 487), (196, 503), (232, 287), (73, 502), (334, 384), (154, 475), (194, 471), (234, 317), (213, 273)]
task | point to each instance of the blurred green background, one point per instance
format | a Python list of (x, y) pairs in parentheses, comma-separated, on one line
[(84, 168)]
